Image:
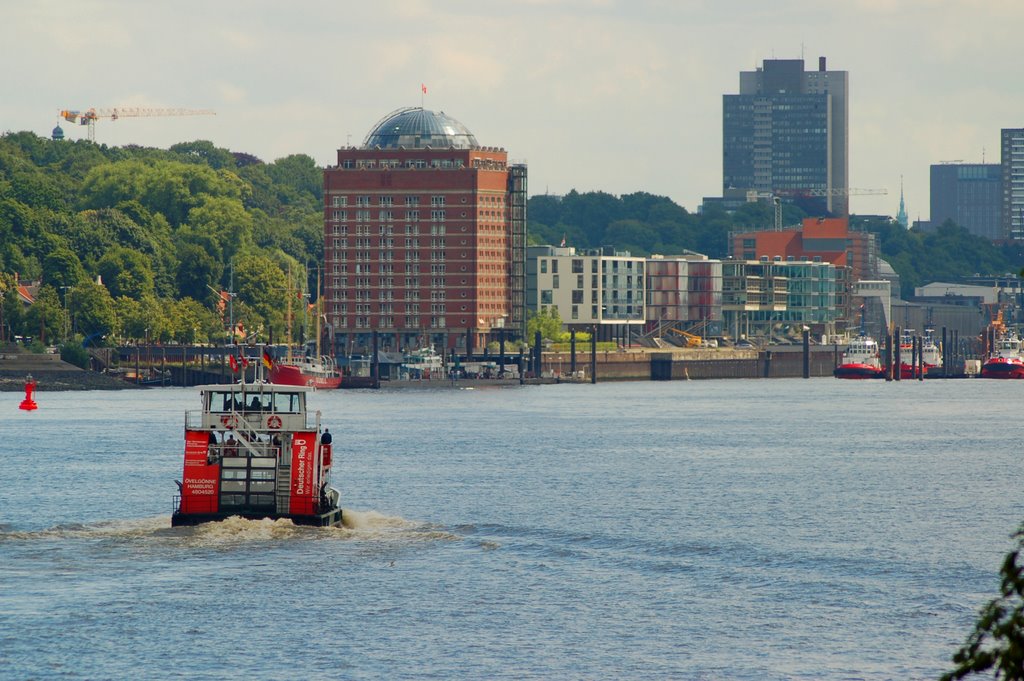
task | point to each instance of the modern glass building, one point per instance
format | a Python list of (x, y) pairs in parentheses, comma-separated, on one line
[(786, 134), (969, 194)]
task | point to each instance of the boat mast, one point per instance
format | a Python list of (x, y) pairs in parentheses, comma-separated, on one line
[(317, 311), (288, 314)]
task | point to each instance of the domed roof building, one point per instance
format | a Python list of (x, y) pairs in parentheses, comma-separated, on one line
[(424, 239), (418, 128)]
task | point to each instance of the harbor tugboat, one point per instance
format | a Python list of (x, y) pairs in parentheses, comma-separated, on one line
[(254, 451)]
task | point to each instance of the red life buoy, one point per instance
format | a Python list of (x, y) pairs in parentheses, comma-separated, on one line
[(274, 422), (230, 421)]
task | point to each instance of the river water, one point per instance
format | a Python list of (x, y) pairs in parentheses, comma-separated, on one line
[(734, 529)]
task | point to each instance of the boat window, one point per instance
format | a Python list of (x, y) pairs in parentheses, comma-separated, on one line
[(222, 402), (258, 402), (287, 403)]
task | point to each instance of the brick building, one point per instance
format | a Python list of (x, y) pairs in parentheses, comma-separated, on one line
[(424, 238)]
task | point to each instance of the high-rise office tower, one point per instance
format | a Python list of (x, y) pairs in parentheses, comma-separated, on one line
[(424, 238), (969, 194), (786, 133), (1012, 146)]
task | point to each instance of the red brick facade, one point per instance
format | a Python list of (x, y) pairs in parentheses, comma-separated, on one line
[(418, 246)]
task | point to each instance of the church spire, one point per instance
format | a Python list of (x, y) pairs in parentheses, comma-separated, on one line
[(901, 217)]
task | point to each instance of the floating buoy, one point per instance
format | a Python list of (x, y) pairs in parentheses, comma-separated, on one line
[(28, 404)]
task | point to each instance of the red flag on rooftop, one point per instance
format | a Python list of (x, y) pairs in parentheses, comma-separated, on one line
[(234, 363), (423, 88)]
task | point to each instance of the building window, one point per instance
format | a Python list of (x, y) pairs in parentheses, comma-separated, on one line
[(577, 297), (577, 266), (554, 281), (579, 281), (546, 297), (575, 312), (554, 266), (543, 266)]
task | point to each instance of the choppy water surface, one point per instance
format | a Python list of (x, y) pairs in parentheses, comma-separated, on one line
[(780, 529)]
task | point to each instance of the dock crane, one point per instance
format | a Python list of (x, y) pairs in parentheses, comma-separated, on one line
[(90, 116)]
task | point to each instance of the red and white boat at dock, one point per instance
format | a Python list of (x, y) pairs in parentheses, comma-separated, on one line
[(1005, 361), (930, 359), (860, 360)]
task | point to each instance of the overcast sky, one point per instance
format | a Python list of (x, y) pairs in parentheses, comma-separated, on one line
[(618, 96)]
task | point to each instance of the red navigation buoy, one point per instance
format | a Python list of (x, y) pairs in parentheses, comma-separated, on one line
[(28, 404)]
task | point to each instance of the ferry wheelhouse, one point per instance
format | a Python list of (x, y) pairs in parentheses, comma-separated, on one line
[(255, 451)]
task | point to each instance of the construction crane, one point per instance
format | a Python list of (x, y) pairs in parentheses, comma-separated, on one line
[(810, 199), (90, 116)]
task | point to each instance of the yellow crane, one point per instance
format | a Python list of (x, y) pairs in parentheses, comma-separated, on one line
[(90, 116)]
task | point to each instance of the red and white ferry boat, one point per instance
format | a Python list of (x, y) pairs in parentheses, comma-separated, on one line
[(931, 355), (1005, 360), (255, 451), (860, 360)]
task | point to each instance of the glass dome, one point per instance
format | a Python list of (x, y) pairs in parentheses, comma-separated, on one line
[(417, 128)]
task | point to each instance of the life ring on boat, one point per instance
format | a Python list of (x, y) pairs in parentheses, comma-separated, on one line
[(230, 421), (274, 422)]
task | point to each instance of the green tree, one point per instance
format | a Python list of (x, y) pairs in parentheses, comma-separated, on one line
[(198, 272), (45, 318), (204, 152), (61, 267), (92, 312), (262, 287), (547, 321), (997, 643), (227, 221), (126, 273)]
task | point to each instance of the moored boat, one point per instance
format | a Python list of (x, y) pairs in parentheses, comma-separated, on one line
[(930, 360), (860, 360), (255, 451), (319, 373), (1005, 361)]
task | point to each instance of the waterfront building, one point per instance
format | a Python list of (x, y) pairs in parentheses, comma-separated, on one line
[(969, 194), (1012, 163), (772, 296), (598, 287), (424, 238), (685, 291), (831, 240), (786, 134)]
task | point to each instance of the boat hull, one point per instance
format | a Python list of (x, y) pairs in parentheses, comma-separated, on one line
[(907, 370), (858, 371), (1003, 368), (287, 374), (331, 518)]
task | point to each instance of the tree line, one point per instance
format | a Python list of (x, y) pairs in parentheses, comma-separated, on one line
[(165, 231)]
